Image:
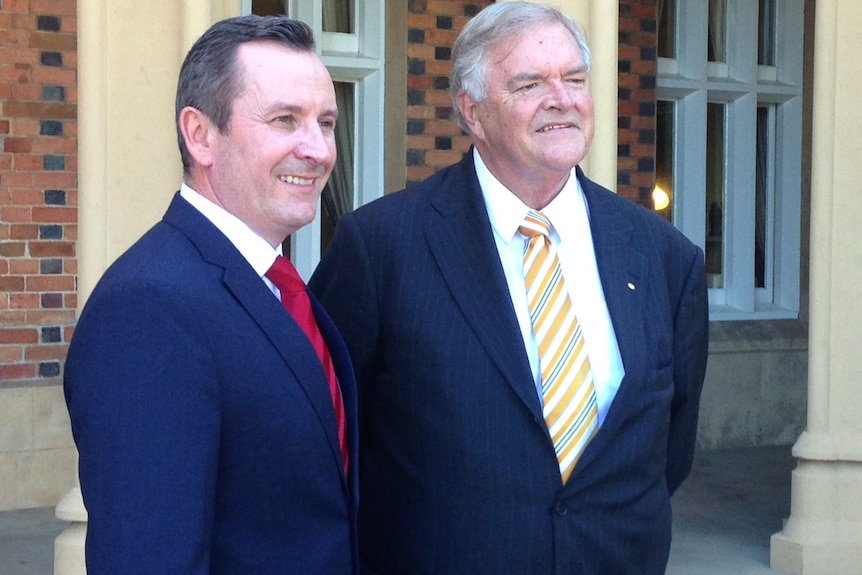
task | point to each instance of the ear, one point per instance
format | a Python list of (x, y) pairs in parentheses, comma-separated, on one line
[(198, 132), (469, 111)]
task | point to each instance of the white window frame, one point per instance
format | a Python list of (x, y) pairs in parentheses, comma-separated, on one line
[(358, 59), (690, 82)]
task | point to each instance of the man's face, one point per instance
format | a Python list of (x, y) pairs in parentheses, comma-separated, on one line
[(536, 121), (271, 163)]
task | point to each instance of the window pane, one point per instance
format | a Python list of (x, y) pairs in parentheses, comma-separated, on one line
[(717, 32), (338, 195), (338, 16), (715, 158), (667, 28), (269, 7), (766, 33), (763, 191), (663, 193)]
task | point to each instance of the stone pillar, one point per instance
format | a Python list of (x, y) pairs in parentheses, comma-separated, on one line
[(69, 545), (823, 535), (129, 166)]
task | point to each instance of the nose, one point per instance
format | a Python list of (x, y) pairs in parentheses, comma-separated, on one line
[(317, 144), (560, 95)]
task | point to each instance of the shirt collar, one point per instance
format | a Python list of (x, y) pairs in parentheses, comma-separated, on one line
[(253, 248), (506, 211)]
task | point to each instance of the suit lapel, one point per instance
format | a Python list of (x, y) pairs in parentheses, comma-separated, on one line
[(622, 269), (292, 343), (461, 241), (251, 292), (344, 373)]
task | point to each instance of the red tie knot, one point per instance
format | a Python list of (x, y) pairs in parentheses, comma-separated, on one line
[(284, 276)]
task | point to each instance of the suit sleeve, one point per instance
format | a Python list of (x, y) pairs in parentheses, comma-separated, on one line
[(690, 350), (141, 386)]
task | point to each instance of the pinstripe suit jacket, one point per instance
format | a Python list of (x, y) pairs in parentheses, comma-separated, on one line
[(458, 472)]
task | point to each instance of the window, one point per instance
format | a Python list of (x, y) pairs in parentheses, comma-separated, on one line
[(350, 42), (728, 146)]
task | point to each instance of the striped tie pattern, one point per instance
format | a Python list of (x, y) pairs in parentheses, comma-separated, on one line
[(568, 393)]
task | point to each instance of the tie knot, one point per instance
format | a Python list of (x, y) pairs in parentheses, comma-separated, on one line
[(284, 276), (535, 224)]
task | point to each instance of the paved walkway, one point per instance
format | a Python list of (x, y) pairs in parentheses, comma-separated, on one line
[(27, 541), (728, 508), (724, 514)]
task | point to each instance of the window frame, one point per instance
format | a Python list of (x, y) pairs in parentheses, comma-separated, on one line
[(690, 82)]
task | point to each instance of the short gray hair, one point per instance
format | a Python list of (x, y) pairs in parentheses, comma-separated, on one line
[(492, 25)]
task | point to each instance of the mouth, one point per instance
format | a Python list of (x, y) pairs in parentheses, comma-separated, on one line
[(552, 127), (297, 180)]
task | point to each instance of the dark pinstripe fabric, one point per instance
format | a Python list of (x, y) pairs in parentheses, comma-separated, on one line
[(458, 473)]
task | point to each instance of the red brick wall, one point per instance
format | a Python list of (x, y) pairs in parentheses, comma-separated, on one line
[(637, 103), (38, 185), (434, 139)]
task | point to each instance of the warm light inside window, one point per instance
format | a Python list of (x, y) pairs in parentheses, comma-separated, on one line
[(660, 199)]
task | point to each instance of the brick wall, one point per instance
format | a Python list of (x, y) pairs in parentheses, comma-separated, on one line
[(434, 139), (637, 103), (38, 186)]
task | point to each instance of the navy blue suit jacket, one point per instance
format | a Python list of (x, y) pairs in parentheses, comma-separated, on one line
[(203, 418), (458, 471)]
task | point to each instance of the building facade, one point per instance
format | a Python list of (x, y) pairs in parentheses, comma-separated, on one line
[(762, 363), (55, 241), (38, 256)]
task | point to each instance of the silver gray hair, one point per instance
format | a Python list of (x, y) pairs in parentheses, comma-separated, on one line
[(488, 28)]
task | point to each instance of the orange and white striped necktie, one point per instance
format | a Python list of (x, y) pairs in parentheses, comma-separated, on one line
[(568, 393)]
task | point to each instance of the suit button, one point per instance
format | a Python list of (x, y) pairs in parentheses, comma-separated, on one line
[(561, 508)]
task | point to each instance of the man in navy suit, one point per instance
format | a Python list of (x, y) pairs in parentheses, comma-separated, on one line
[(204, 418), (459, 472)]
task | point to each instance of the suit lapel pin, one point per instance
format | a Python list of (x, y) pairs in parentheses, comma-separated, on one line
[(631, 286)]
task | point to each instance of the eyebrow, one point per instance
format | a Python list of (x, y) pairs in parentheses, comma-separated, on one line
[(533, 76), (522, 78), (279, 107), (580, 69)]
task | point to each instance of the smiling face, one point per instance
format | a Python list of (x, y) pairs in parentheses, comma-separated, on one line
[(536, 121), (270, 165)]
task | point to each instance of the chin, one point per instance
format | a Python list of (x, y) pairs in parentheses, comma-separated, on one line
[(566, 160), (295, 219)]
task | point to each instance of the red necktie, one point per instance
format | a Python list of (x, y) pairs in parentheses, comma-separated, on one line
[(294, 297)]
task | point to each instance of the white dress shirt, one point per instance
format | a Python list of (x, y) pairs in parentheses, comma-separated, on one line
[(256, 250), (571, 235)]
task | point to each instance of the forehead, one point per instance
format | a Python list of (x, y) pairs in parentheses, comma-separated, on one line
[(540, 44), (265, 57), (268, 67)]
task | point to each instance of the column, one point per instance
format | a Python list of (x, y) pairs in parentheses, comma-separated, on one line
[(600, 21), (129, 165), (823, 534)]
